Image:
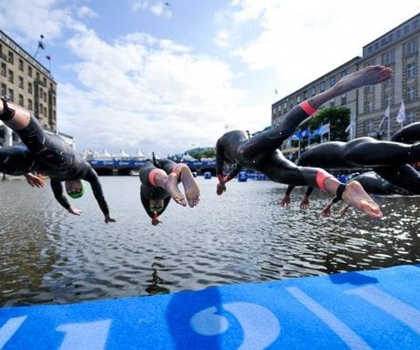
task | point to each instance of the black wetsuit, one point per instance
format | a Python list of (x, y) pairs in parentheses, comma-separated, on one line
[(261, 153), (48, 154), (374, 184), (148, 191), (389, 159)]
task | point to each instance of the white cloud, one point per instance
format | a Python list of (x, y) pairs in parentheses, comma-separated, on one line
[(303, 40), (32, 18), (150, 94), (161, 9), (86, 12), (222, 38)]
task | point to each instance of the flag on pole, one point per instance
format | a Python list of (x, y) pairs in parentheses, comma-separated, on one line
[(325, 129), (40, 43), (386, 116), (297, 135), (305, 133), (401, 113)]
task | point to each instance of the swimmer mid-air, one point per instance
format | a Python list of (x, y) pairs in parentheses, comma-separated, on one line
[(389, 159), (261, 152), (49, 155), (159, 183)]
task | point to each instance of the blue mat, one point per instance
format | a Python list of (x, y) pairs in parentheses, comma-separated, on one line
[(358, 310)]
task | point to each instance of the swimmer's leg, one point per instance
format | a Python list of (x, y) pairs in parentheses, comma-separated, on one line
[(153, 176), (404, 176), (192, 192), (280, 169), (183, 172), (269, 141), (19, 119)]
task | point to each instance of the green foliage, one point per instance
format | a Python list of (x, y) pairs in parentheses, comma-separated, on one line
[(202, 152), (338, 117)]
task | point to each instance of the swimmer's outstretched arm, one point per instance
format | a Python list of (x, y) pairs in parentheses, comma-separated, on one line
[(93, 179), (305, 201), (221, 186), (286, 199)]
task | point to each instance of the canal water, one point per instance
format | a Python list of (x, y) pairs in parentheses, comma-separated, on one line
[(49, 256)]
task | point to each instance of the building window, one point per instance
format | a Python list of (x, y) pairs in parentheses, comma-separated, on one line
[(298, 98), (368, 89), (11, 76), (411, 94), (388, 83), (388, 58), (3, 90), (376, 46), (11, 95), (30, 88), (332, 81), (343, 99), (45, 81), (29, 104), (21, 65), (369, 107), (410, 117), (406, 29), (398, 33), (313, 91), (411, 70), (21, 82), (369, 50), (343, 73), (332, 104), (388, 101), (3, 69), (11, 60), (322, 86), (30, 71), (410, 48), (367, 126), (21, 100), (37, 75)]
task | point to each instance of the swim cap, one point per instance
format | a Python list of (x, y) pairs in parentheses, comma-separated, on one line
[(78, 194)]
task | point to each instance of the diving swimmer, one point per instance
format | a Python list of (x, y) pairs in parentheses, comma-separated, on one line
[(49, 155), (261, 151), (391, 160)]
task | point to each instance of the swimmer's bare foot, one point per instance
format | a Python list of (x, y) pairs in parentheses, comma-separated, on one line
[(172, 188), (367, 76), (192, 192), (356, 196), (285, 201)]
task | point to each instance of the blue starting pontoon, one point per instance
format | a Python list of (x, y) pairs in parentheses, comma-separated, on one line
[(356, 310)]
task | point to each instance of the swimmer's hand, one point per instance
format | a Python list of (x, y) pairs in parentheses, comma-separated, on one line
[(221, 187), (304, 204), (74, 211), (34, 181), (109, 219), (285, 201), (156, 221)]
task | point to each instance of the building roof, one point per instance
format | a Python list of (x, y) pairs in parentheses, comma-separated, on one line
[(15, 46)]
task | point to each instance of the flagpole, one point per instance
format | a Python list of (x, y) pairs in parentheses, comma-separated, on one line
[(389, 127)]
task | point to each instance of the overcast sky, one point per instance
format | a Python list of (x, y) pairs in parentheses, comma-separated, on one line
[(163, 77)]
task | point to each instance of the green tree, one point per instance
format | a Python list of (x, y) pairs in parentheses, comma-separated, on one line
[(338, 117)]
